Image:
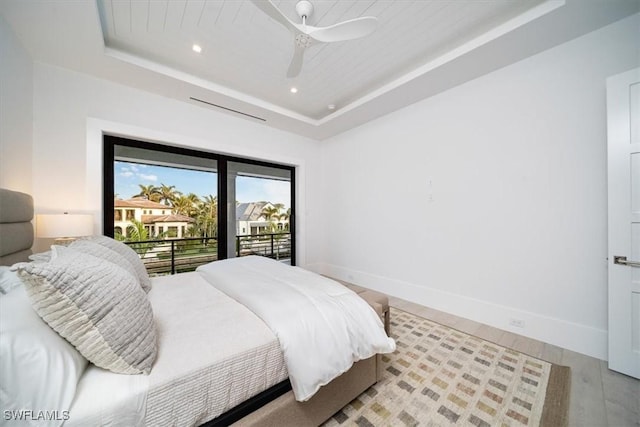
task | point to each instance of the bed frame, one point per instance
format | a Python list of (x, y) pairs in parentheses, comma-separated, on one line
[(277, 407), (273, 407)]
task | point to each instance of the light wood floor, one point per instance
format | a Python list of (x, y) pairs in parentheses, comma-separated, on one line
[(599, 396)]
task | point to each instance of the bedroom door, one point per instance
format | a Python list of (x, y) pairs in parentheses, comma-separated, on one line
[(623, 120)]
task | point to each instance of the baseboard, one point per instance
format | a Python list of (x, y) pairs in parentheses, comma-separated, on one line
[(315, 267), (562, 333)]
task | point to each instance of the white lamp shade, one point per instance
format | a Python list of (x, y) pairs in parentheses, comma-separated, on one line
[(64, 225)]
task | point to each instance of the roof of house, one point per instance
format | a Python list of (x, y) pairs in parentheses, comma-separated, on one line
[(139, 202), (251, 211), (152, 219)]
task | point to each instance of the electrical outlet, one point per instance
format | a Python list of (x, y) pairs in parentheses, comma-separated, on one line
[(518, 323)]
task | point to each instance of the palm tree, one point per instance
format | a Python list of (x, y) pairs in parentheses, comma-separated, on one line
[(195, 204), (183, 205), (151, 192), (269, 213), (193, 231), (193, 197), (137, 232), (168, 194), (210, 203), (207, 217), (285, 216)]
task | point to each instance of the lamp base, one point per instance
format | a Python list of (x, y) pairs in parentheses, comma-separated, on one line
[(63, 241)]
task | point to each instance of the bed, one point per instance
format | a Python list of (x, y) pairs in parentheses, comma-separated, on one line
[(216, 361)]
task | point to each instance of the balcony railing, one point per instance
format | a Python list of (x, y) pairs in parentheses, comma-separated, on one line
[(173, 256), (273, 245)]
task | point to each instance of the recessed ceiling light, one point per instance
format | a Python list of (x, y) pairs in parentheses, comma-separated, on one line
[(196, 48), (294, 90), (331, 106)]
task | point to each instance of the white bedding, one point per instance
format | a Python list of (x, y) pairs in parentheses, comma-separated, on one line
[(323, 327), (104, 398), (232, 361)]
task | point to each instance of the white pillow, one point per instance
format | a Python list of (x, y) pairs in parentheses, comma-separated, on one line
[(39, 369), (8, 280)]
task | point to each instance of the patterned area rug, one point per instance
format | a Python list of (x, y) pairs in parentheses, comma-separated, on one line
[(439, 376)]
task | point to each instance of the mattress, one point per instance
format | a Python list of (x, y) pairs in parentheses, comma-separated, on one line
[(213, 354)]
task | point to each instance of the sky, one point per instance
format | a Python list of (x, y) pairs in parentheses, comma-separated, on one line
[(129, 175)]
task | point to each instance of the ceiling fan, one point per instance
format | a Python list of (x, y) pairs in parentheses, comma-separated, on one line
[(305, 35)]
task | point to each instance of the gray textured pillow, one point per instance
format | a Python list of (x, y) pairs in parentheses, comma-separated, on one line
[(97, 250), (128, 254), (97, 306)]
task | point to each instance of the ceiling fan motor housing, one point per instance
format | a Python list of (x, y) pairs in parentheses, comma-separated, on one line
[(303, 40), (304, 9)]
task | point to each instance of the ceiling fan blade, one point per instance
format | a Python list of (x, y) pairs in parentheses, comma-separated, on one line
[(296, 61), (273, 12), (347, 30)]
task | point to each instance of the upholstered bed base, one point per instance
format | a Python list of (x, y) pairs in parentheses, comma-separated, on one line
[(286, 411)]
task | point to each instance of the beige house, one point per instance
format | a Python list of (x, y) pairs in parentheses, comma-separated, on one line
[(156, 217)]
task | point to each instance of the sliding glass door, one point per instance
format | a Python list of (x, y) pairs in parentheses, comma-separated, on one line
[(259, 222), (180, 208)]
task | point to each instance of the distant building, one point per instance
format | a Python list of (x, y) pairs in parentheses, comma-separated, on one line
[(156, 217), (250, 219)]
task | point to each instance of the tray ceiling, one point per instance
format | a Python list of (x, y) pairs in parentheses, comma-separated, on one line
[(419, 48)]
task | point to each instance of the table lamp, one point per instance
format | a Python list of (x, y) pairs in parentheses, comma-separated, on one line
[(64, 228)]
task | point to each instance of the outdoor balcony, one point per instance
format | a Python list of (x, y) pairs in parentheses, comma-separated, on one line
[(171, 256)]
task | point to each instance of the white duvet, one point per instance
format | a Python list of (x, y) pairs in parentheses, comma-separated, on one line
[(323, 327)]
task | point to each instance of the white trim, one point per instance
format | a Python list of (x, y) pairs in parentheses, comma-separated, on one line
[(562, 333), (468, 47)]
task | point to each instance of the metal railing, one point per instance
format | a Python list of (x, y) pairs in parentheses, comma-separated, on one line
[(171, 256), (273, 245)]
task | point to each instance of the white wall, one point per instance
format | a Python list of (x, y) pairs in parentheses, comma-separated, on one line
[(71, 110), (488, 200), (16, 112)]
